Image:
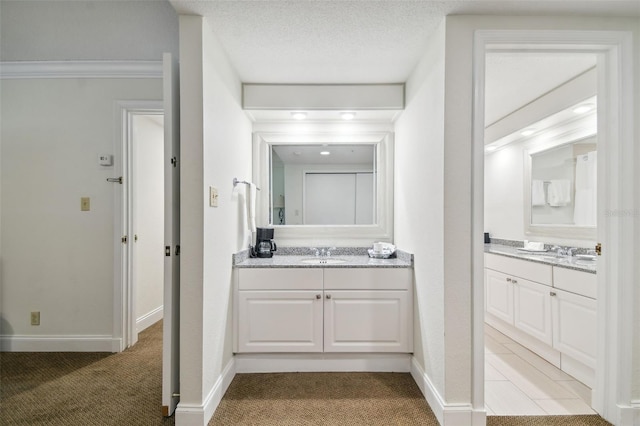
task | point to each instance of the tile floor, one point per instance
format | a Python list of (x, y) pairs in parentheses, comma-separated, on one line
[(519, 382)]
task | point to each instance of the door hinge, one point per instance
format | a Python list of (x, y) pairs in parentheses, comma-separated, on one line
[(115, 180), (174, 161), (599, 249), (124, 239), (167, 251), (135, 238), (177, 250)]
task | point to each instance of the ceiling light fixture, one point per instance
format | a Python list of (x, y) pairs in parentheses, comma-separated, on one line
[(581, 109), (527, 132), (490, 148), (324, 153), (348, 115), (299, 115)]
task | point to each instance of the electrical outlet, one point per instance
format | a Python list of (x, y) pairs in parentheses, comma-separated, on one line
[(85, 204), (213, 196), (35, 318)]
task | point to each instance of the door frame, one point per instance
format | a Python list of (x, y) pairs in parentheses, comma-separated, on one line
[(615, 231), (124, 295)]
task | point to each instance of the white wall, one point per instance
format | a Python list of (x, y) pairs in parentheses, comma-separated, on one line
[(57, 259), (419, 203), (87, 30), (148, 205), (216, 147)]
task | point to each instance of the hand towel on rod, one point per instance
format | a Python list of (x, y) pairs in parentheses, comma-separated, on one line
[(538, 197), (250, 199), (559, 192)]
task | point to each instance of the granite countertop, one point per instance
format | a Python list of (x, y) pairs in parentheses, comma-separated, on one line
[(351, 260), (548, 258)]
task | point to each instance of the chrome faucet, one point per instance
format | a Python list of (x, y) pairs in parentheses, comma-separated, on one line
[(571, 251), (322, 252)]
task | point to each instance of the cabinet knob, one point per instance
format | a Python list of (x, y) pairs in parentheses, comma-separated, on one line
[(328, 296), (514, 281), (552, 293), (318, 296), (508, 280)]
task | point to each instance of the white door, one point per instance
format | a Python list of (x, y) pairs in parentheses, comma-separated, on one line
[(329, 199), (532, 308), (280, 321), (367, 321), (574, 326), (499, 295), (171, 324)]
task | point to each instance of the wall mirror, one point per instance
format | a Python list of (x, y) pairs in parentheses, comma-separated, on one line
[(561, 187), (325, 188)]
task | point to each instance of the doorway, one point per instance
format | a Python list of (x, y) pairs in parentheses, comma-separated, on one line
[(615, 126), (540, 118), (139, 291)]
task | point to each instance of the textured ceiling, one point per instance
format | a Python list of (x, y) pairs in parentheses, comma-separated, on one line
[(336, 41)]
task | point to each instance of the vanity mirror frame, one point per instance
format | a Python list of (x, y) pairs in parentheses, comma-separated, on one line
[(579, 131), (337, 235)]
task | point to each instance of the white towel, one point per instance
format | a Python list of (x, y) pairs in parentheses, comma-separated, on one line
[(559, 193), (537, 193), (250, 199), (586, 202)]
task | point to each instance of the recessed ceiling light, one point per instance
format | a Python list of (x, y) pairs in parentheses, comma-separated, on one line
[(581, 109), (491, 148), (527, 132), (324, 153), (299, 115), (348, 115)]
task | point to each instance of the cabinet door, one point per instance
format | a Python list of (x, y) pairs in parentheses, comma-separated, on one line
[(532, 309), (280, 321), (367, 321), (499, 295), (574, 326)]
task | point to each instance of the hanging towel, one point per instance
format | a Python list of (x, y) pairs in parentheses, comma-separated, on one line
[(537, 193), (559, 193), (250, 199)]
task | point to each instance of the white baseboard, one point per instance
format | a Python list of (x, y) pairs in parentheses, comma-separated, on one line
[(200, 414), (629, 415), (447, 414), (59, 344), (149, 318), (324, 362)]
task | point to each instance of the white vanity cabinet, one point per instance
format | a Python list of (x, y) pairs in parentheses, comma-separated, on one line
[(519, 302), (368, 310), (575, 314), (324, 310), (279, 310)]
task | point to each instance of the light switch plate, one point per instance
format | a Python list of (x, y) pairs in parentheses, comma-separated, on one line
[(85, 204), (213, 196), (105, 160)]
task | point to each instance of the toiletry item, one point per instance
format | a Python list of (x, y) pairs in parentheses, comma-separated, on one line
[(377, 247)]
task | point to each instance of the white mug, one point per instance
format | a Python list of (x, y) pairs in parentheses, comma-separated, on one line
[(377, 247)]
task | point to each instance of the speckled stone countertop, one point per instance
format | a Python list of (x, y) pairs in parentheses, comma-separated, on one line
[(356, 258), (548, 258)]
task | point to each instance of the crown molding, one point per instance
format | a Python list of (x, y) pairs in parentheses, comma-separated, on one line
[(80, 69)]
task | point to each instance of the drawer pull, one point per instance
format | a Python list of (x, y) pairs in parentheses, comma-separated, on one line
[(552, 293), (508, 280), (514, 281), (328, 296), (318, 296)]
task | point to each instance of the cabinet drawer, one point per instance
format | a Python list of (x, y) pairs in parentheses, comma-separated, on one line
[(280, 279), (582, 283), (532, 271), (368, 278)]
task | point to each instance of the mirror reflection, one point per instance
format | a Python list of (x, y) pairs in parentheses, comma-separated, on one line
[(563, 184), (323, 184)]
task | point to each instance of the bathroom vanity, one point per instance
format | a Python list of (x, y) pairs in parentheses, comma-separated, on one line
[(546, 304), (342, 304)]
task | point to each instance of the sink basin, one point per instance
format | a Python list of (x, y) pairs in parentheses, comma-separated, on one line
[(323, 261)]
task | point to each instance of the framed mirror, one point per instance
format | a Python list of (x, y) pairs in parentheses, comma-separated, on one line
[(325, 188), (561, 187)]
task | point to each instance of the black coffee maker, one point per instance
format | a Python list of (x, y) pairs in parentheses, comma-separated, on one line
[(265, 246)]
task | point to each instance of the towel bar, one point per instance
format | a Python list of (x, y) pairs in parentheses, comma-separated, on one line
[(236, 181)]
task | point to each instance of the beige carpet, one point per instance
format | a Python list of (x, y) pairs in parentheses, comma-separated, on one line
[(125, 390)]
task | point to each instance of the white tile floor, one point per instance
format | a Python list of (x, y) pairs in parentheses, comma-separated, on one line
[(519, 382)]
